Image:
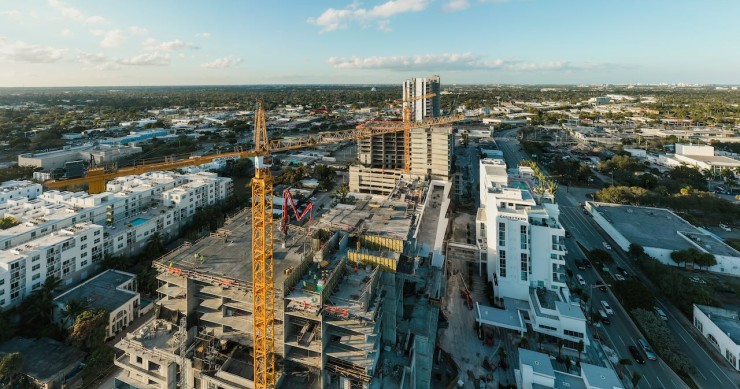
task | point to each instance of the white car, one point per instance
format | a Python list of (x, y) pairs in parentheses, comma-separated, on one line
[(580, 280), (607, 246), (608, 309), (618, 277), (725, 227), (661, 314)]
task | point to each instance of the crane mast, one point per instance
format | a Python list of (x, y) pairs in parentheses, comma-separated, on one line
[(263, 278)]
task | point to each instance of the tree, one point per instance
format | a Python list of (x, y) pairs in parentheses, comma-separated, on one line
[(602, 256), (11, 366), (540, 339), (622, 363), (580, 347), (635, 379), (678, 257), (560, 348), (705, 260), (567, 363), (341, 193), (634, 294), (7, 222), (524, 342), (100, 359), (72, 309), (89, 329), (636, 250)]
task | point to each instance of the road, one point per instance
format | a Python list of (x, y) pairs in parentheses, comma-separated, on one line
[(622, 332)]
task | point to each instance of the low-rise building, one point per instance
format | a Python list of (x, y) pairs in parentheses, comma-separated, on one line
[(661, 232), (112, 290), (721, 327), (15, 189), (536, 371), (49, 364)]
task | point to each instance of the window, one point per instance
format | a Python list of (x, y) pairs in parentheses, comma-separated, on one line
[(84, 246), (35, 258), (36, 267), (96, 241), (574, 334), (502, 234), (139, 360), (83, 255), (2, 281), (84, 238), (523, 234), (544, 327), (524, 267), (83, 263), (35, 277), (502, 263), (96, 233)]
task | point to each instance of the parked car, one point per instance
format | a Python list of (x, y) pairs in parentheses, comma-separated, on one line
[(649, 353), (604, 317), (660, 313), (567, 234), (580, 280), (587, 263), (608, 309), (607, 246), (623, 271), (725, 227), (601, 285), (618, 277), (636, 354)]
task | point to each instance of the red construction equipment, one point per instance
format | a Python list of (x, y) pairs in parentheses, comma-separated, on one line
[(288, 199)]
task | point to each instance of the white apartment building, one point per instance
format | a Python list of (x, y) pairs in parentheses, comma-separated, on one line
[(536, 371), (524, 250), (417, 87), (722, 328), (67, 254), (15, 189)]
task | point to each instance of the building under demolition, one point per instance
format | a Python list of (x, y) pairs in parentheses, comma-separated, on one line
[(356, 303)]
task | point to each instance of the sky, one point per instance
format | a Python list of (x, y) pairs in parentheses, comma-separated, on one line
[(230, 42)]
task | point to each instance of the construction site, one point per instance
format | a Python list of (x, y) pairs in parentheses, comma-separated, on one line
[(356, 302)]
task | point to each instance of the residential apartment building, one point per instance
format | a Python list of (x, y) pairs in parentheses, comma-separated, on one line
[(523, 246), (536, 370), (417, 87), (16, 189), (68, 254)]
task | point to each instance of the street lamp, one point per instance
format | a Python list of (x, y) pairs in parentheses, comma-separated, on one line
[(591, 295)]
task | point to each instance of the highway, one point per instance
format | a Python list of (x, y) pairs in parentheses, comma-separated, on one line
[(622, 332)]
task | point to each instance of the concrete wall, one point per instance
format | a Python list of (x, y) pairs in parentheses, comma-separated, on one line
[(724, 345)]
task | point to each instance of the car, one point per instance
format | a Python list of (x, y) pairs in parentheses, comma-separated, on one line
[(580, 280), (661, 314), (607, 246), (636, 354), (618, 277), (567, 234), (623, 271), (601, 285), (725, 227), (587, 263), (649, 353), (607, 308), (604, 317), (580, 265)]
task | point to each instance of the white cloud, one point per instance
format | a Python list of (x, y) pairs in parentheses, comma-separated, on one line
[(67, 32), (203, 35), (24, 52), (11, 14), (152, 44), (97, 61), (97, 32), (456, 5), (334, 19), (453, 62), (95, 19), (146, 59), (113, 38), (222, 63), (138, 30)]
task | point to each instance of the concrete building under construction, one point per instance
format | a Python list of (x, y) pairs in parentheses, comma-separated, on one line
[(356, 303)]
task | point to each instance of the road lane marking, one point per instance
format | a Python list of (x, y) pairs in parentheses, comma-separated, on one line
[(622, 340), (715, 376), (661, 382)]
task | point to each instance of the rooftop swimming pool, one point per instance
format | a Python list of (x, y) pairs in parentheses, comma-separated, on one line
[(138, 221)]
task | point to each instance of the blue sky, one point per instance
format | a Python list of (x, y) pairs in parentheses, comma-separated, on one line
[(157, 42)]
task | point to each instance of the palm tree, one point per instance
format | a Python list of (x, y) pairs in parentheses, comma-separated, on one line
[(636, 379), (581, 346), (567, 364), (560, 347), (523, 342), (622, 363), (10, 368), (72, 309), (540, 339)]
